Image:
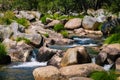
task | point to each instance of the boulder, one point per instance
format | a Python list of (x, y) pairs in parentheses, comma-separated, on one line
[(27, 15), (46, 73), (52, 24), (37, 14), (17, 53), (46, 54), (108, 54), (80, 78), (73, 23), (117, 64), (77, 55), (90, 23), (82, 70), (56, 59)]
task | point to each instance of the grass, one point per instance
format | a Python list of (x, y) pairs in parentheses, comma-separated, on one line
[(3, 50), (23, 22), (46, 35), (114, 38), (58, 27), (24, 39), (7, 18), (64, 33), (103, 75)]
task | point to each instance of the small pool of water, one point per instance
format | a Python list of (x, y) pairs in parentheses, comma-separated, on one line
[(19, 70)]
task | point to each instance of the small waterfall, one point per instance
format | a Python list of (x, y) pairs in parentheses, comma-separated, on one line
[(106, 66), (33, 57)]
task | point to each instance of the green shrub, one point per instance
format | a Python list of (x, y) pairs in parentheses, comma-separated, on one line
[(43, 19), (64, 33), (59, 27), (103, 75), (3, 50), (24, 39), (114, 38), (7, 18), (23, 22), (46, 35)]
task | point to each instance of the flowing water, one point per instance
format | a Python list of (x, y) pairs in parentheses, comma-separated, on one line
[(23, 71)]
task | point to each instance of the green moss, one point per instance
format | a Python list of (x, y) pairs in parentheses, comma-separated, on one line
[(43, 19), (64, 33), (103, 75), (58, 27), (3, 50), (23, 22), (7, 18), (46, 35), (114, 38), (24, 39)]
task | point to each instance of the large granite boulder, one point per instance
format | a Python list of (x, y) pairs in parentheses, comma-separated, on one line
[(117, 64), (46, 73), (82, 70), (17, 53), (90, 23), (108, 54), (46, 54), (73, 23), (77, 55)]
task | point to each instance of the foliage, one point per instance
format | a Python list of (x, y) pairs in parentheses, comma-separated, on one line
[(114, 38), (3, 50), (64, 33), (59, 27), (43, 19), (24, 39), (7, 18), (23, 22), (103, 75), (46, 35)]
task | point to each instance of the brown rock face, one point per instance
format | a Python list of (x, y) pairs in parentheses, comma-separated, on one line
[(73, 23), (117, 64), (108, 54), (77, 55), (46, 73), (80, 78), (82, 70)]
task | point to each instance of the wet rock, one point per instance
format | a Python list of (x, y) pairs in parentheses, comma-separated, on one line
[(82, 70), (77, 55), (73, 23), (46, 54), (90, 23), (108, 54), (46, 73)]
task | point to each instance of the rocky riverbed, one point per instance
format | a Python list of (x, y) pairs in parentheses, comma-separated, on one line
[(66, 58)]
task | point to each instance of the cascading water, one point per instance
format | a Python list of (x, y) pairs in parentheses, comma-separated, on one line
[(106, 66), (20, 70)]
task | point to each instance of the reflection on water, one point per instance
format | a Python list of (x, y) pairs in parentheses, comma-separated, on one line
[(19, 71)]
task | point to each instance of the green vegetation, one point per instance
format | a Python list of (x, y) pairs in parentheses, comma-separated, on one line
[(64, 33), (46, 35), (23, 22), (103, 75), (65, 6), (58, 27), (114, 38), (3, 50), (43, 19), (7, 18), (24, 39)]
